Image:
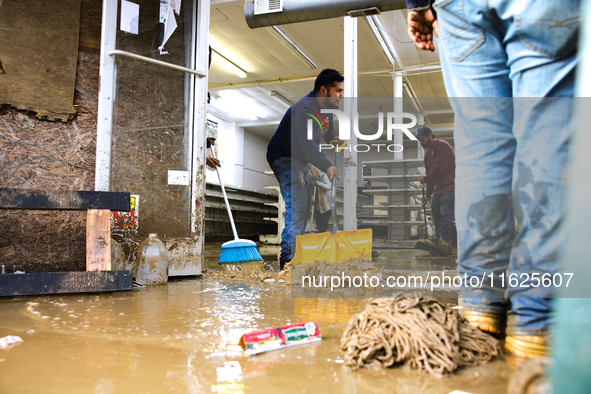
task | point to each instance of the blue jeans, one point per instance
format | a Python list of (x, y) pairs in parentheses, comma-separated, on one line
[(515, 62), (442, 209), (294, 183)]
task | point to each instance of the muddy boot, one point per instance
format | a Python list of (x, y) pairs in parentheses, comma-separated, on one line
[(443, 248), (434, 240), (493, 323), (527, 346)]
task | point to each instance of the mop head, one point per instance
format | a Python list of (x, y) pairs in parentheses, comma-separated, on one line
[(416, 332), (239, 251)]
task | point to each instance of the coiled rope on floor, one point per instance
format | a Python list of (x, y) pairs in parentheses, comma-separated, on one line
[(416, 332)]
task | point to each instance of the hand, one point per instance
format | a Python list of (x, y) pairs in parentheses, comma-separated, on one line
[(338, 143), (212, 163), (426, 200), (421, 25), (331, 172), (422, 180)]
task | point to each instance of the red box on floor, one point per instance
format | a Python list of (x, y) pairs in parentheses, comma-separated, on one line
[(279, 337)]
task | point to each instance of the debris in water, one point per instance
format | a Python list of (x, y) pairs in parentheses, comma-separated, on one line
[(416, 332), (9, 341), (279, 337), (319, 269)]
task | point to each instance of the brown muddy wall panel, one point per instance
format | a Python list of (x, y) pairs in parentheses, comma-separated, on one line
[(39, 50), (40, 154)]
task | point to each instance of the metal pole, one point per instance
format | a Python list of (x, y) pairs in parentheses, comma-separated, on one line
[(350, 104), (117, 52)]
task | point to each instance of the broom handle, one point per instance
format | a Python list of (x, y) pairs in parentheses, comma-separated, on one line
[(209, 145)]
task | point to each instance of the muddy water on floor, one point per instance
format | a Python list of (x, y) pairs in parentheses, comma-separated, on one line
[(172, 338)]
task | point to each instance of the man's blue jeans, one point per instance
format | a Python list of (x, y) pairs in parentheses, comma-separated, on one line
[(442, 209), (294, 183), (515, 62)]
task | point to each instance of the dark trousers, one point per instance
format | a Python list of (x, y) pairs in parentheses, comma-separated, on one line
[(442, 210), (322, 220)]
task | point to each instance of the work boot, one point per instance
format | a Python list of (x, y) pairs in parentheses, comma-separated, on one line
[(527, 346), (283, 263), (493, 323), (434, 240), (443, 248)]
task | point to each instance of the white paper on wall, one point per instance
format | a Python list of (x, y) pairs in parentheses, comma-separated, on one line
[(130, 17)]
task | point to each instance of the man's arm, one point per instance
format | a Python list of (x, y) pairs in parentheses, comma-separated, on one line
[(310, 148)]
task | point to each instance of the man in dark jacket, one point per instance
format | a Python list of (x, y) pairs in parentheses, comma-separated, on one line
[(291, 149), (440, 166)]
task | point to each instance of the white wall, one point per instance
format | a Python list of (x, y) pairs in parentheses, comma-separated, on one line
[(243, 156), (230, 146), (255, 163)]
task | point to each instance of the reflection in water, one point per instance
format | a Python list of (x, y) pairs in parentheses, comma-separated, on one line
[(177, 338)]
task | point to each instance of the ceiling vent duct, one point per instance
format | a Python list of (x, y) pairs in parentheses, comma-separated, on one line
[(267, 6), (282, 12)]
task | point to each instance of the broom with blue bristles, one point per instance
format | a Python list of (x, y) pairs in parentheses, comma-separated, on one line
[(237, 250)]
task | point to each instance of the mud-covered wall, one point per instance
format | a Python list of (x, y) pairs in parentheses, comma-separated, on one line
[(37, 153)]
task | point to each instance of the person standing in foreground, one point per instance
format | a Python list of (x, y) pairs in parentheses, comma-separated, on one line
[(515, 61), (440, 167), (289, 152)]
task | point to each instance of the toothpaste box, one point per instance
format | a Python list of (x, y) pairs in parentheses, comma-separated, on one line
[(279, 337)]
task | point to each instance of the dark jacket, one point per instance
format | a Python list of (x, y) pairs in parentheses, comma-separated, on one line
[(290, 138), (440, 163), (418, 4)]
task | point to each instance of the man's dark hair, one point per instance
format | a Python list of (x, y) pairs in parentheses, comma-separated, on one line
[(327, 78)]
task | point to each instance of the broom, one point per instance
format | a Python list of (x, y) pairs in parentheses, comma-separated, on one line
[(237, 250)]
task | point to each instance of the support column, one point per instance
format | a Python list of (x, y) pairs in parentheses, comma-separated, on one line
[(102, 178), (98, 225), (420, 150), (199, 129), (398, 108), (350, 108)]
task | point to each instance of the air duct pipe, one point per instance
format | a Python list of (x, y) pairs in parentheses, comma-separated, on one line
[(265, 13)]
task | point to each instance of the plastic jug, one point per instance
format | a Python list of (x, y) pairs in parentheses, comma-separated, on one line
[(152, 261), (117, 256)]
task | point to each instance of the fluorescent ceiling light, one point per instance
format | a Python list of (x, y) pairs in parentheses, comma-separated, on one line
[(277, 32), (230, 65), (281, 98), (384, 41), (238, 106)]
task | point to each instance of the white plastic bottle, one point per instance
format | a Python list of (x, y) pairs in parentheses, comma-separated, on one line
[(152, 266)]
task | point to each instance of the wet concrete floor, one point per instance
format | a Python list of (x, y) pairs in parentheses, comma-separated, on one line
[(173, 338)]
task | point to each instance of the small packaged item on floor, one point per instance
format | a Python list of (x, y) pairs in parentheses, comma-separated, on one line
[(279, 337)]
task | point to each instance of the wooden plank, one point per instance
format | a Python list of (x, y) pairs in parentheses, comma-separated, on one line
[(63, 199), (64, 282), (98, 240)]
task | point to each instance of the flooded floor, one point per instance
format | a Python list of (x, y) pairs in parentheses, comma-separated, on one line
[(173, 338)]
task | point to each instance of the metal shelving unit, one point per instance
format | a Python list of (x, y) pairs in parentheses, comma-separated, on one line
[(401, 188)]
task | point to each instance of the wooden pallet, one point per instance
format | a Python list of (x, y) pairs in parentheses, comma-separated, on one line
[(98, 276)]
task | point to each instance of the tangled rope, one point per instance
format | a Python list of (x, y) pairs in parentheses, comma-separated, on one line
[(416, 332)]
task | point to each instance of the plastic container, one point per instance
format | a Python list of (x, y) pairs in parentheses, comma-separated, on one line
[(152, 261), (117, 256)]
